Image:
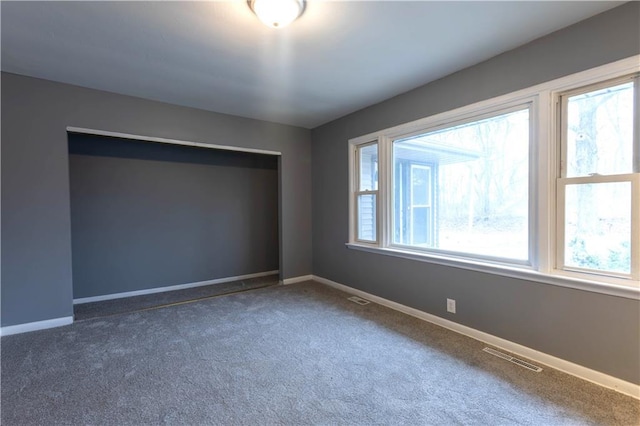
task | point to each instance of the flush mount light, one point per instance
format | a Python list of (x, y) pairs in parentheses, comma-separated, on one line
[(277, 13)]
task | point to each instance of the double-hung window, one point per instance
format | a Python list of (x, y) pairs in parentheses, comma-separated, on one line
[(598, 189), (366, 193), (543, 183)]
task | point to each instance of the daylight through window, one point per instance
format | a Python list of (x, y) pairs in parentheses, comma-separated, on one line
[(367, 192), (598, 189), (545, 180), (465, 188)]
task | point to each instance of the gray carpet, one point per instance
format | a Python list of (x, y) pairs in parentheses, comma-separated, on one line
[(283, 355), (150, 301)]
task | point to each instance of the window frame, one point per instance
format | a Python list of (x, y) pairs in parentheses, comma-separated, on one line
[(634, 180), (357, 192), (528, 103), (562, 181), (545, 153)]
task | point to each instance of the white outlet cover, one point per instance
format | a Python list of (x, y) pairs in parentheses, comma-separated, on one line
[(451, 306)]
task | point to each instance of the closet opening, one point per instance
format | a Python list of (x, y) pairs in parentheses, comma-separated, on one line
[(149, 216)]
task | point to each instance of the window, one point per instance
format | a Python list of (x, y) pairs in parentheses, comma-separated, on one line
[(367, 192), (464, 188), (541, 184), (598, 190)]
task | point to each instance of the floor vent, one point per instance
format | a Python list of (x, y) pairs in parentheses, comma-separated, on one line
[(358, 300), (516, 361)]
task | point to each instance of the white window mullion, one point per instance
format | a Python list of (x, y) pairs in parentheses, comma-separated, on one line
[(534, 200), (560, 221), (353, 180), (547, 163), (636, 125), (384, 194), (635, 199), (635, 192), (366, 192), (635, 226)]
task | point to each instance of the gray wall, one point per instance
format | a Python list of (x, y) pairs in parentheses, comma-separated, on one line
[(147, 215), (594, 330), (36, 226)]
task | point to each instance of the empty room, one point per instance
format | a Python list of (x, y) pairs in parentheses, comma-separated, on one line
[(289, 212)]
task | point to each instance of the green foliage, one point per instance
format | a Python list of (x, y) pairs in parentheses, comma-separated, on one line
[(617, 259)]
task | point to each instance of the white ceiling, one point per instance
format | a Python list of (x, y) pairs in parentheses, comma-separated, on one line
[(337, 58)]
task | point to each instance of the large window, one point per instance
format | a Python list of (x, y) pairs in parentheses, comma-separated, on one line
[(545, 180), (464, 188)]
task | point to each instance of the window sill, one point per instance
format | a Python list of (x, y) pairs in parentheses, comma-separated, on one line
[(628, 291)]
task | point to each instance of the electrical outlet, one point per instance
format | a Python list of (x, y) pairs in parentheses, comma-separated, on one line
[(451, 306)]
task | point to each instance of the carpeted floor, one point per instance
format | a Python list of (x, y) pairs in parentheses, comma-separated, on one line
[(85, 311), (283, 355)]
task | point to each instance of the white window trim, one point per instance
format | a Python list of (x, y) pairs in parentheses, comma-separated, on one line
[(634, 180), (546, 151), (559, 139), (354, 161), (622, 289), (529, 103)]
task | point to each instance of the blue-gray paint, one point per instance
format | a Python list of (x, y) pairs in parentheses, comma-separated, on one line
[(594, 330)]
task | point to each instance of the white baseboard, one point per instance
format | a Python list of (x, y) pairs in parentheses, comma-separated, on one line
[(34, 326), (297, 279), (568, 367), (169, 288)]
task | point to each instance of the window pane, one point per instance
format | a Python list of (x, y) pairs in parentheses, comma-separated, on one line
[(367, 217), (368, 167), (598, 226), (465, 188), (420, 185), (600, 132)]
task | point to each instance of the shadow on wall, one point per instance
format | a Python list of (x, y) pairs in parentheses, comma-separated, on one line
[(148, 215), (105, 146)]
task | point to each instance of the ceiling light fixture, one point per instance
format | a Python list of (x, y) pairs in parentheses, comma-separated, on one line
[(277, 13)]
